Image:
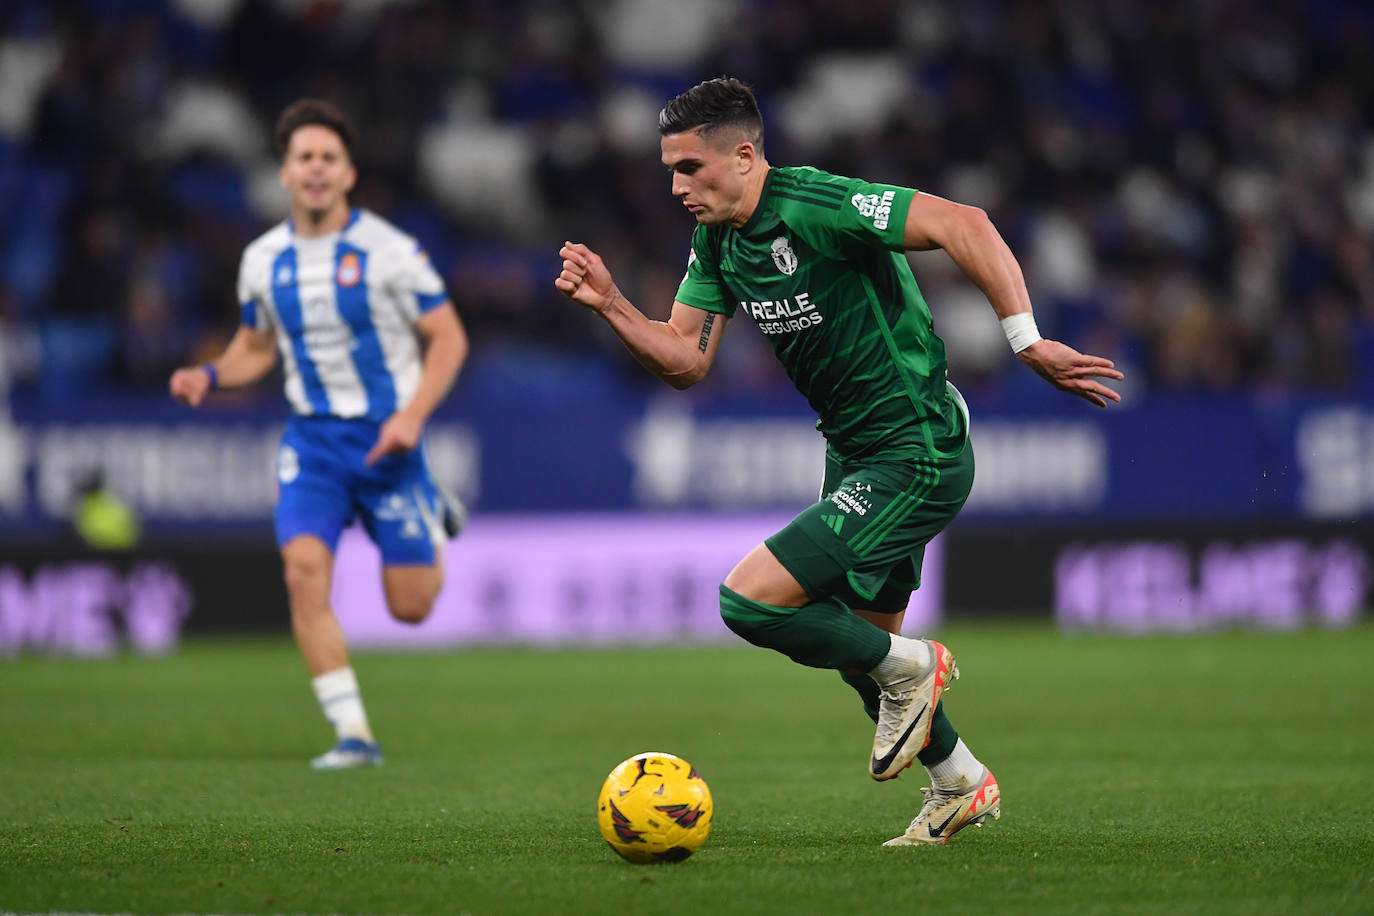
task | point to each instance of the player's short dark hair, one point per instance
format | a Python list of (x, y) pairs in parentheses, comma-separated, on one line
[(715, 105), (313, 111)]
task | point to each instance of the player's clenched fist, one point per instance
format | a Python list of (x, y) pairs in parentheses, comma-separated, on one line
[(190, 384), (585, 279)]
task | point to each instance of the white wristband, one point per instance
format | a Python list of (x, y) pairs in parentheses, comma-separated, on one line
[(1020, 330)]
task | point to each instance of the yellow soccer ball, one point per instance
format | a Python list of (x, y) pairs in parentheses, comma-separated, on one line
[(655, 807)]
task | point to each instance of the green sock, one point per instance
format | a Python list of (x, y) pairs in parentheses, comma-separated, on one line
[(867, 689), (943, 737), (822, 634)]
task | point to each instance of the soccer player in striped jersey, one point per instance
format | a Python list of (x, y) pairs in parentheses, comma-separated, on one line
[(819, 262), (370, 345)]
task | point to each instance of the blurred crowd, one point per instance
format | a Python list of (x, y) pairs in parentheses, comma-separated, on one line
[(1189, 186)]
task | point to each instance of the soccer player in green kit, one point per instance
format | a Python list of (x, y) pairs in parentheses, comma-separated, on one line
[(819, 262)]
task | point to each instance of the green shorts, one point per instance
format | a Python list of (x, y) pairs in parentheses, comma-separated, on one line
[(863, 543)]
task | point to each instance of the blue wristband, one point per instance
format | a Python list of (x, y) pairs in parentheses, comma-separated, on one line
[(211, 371)]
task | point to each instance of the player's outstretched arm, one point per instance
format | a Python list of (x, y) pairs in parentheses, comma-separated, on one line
[(679, 351), (250, 355), (973, 242)]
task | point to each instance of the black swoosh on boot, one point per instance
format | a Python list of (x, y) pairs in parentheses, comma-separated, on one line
[(936, 831), (880, 766)]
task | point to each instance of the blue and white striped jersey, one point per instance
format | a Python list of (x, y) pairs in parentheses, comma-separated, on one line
[(343, 307)]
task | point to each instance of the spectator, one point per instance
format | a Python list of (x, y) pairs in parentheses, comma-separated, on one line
[(1194, 184)]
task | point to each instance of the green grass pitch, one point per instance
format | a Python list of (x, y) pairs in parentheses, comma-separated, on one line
[(1226, 773)]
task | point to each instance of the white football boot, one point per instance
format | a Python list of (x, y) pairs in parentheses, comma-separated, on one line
[(946, 813), (905, 711), (348, 754)]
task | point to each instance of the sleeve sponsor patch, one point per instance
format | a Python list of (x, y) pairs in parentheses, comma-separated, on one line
[(875, 207)]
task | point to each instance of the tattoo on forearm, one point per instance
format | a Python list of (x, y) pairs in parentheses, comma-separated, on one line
[(706, 331)]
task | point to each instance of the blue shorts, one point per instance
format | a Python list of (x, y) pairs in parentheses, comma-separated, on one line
[(324, 486)]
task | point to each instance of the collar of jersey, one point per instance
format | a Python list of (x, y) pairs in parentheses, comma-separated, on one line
[(756, 217)]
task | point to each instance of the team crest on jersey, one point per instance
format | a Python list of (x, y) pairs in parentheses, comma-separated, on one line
[(783, 255), (350, 270)]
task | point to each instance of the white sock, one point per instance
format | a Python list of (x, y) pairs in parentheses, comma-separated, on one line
[(904, 655), (338, 693), (958, 772)]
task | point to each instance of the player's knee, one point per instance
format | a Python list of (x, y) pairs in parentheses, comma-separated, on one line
[(412, 606), (307, 579), (411, 612), (749, 619), (411, 591), (732, 608)]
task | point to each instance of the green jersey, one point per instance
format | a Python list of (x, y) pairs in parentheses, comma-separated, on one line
[(821, 267)]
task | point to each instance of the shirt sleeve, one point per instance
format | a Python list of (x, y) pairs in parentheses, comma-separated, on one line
[(702, 286), (251, 310), (415, 280), (872, 215)]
